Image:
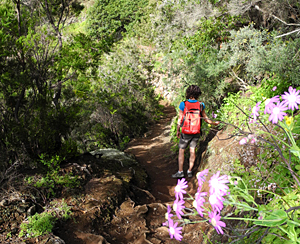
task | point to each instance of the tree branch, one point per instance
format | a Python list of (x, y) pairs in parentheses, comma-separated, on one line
[(282, 21), (289, 33), (242, 83), (17, 107)]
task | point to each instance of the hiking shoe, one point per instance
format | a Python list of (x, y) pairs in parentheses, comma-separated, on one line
[(190, 174), (178, 175)]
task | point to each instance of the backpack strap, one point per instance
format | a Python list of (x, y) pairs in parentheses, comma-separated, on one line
[(184, 113), (201, 117), (185, 107), (201, 108)]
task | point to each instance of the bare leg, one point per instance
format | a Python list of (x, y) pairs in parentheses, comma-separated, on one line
[(192, 158), (180, 159)]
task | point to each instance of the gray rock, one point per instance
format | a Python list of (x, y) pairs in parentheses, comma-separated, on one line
[(114, 154), (22, 208), (4, 203), (31, 211)]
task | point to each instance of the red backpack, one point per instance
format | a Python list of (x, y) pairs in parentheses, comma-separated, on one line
[(191, 123)]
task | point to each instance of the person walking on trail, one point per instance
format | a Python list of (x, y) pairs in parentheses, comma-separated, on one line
[(191, 112)]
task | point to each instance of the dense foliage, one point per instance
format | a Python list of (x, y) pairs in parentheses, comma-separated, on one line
[(57, 91), (34, 116), (109, 19)]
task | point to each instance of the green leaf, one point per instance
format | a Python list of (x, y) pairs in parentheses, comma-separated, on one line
[(275, 218), (295, 150), (248, 198), (291, 232)]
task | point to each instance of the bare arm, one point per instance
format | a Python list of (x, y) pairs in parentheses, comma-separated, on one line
[(207, 120), (180, 118)]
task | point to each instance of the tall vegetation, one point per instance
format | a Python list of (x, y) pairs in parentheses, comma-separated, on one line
[(33, 117), (59, 93)]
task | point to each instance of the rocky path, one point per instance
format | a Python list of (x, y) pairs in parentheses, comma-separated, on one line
[(140, 222), (154, 153), (138, 219)]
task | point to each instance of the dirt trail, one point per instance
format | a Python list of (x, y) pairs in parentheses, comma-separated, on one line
[(155, 155)]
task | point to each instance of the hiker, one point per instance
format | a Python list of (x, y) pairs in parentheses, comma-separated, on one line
[(189, 119)]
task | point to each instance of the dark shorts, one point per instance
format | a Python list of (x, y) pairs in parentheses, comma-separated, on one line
[(185, 139)]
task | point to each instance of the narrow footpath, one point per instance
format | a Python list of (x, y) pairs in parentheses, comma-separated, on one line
[(154, 153)]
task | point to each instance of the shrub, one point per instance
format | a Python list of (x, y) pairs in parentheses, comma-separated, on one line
[(109, 19), (122, 101), (43, 223), (38, 224), (253, 54), (52, 179)]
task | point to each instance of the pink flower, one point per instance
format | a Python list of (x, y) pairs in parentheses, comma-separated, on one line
[(216, 201), (253, 140), (269, 103), (217, 184), (181, 184), (201, 177), (214, 115), (199, 201), (235, 182), (277, 112), (174, 231), (199, 196), (215, 221), (168, 216), (177, 207), (274, 88), (243, 141), (292, 99), (255, 111)]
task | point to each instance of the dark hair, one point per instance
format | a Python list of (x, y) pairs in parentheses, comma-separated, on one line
[(193, 91)]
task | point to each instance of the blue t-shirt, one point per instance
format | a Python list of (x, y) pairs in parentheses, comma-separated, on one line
[(182, 105)]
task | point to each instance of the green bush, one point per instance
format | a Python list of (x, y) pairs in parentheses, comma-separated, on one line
[(38, 224), (43, 223), (36, 111), (109, 19), (52, 179), (122, 101), (236, 107), (254, 54)]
